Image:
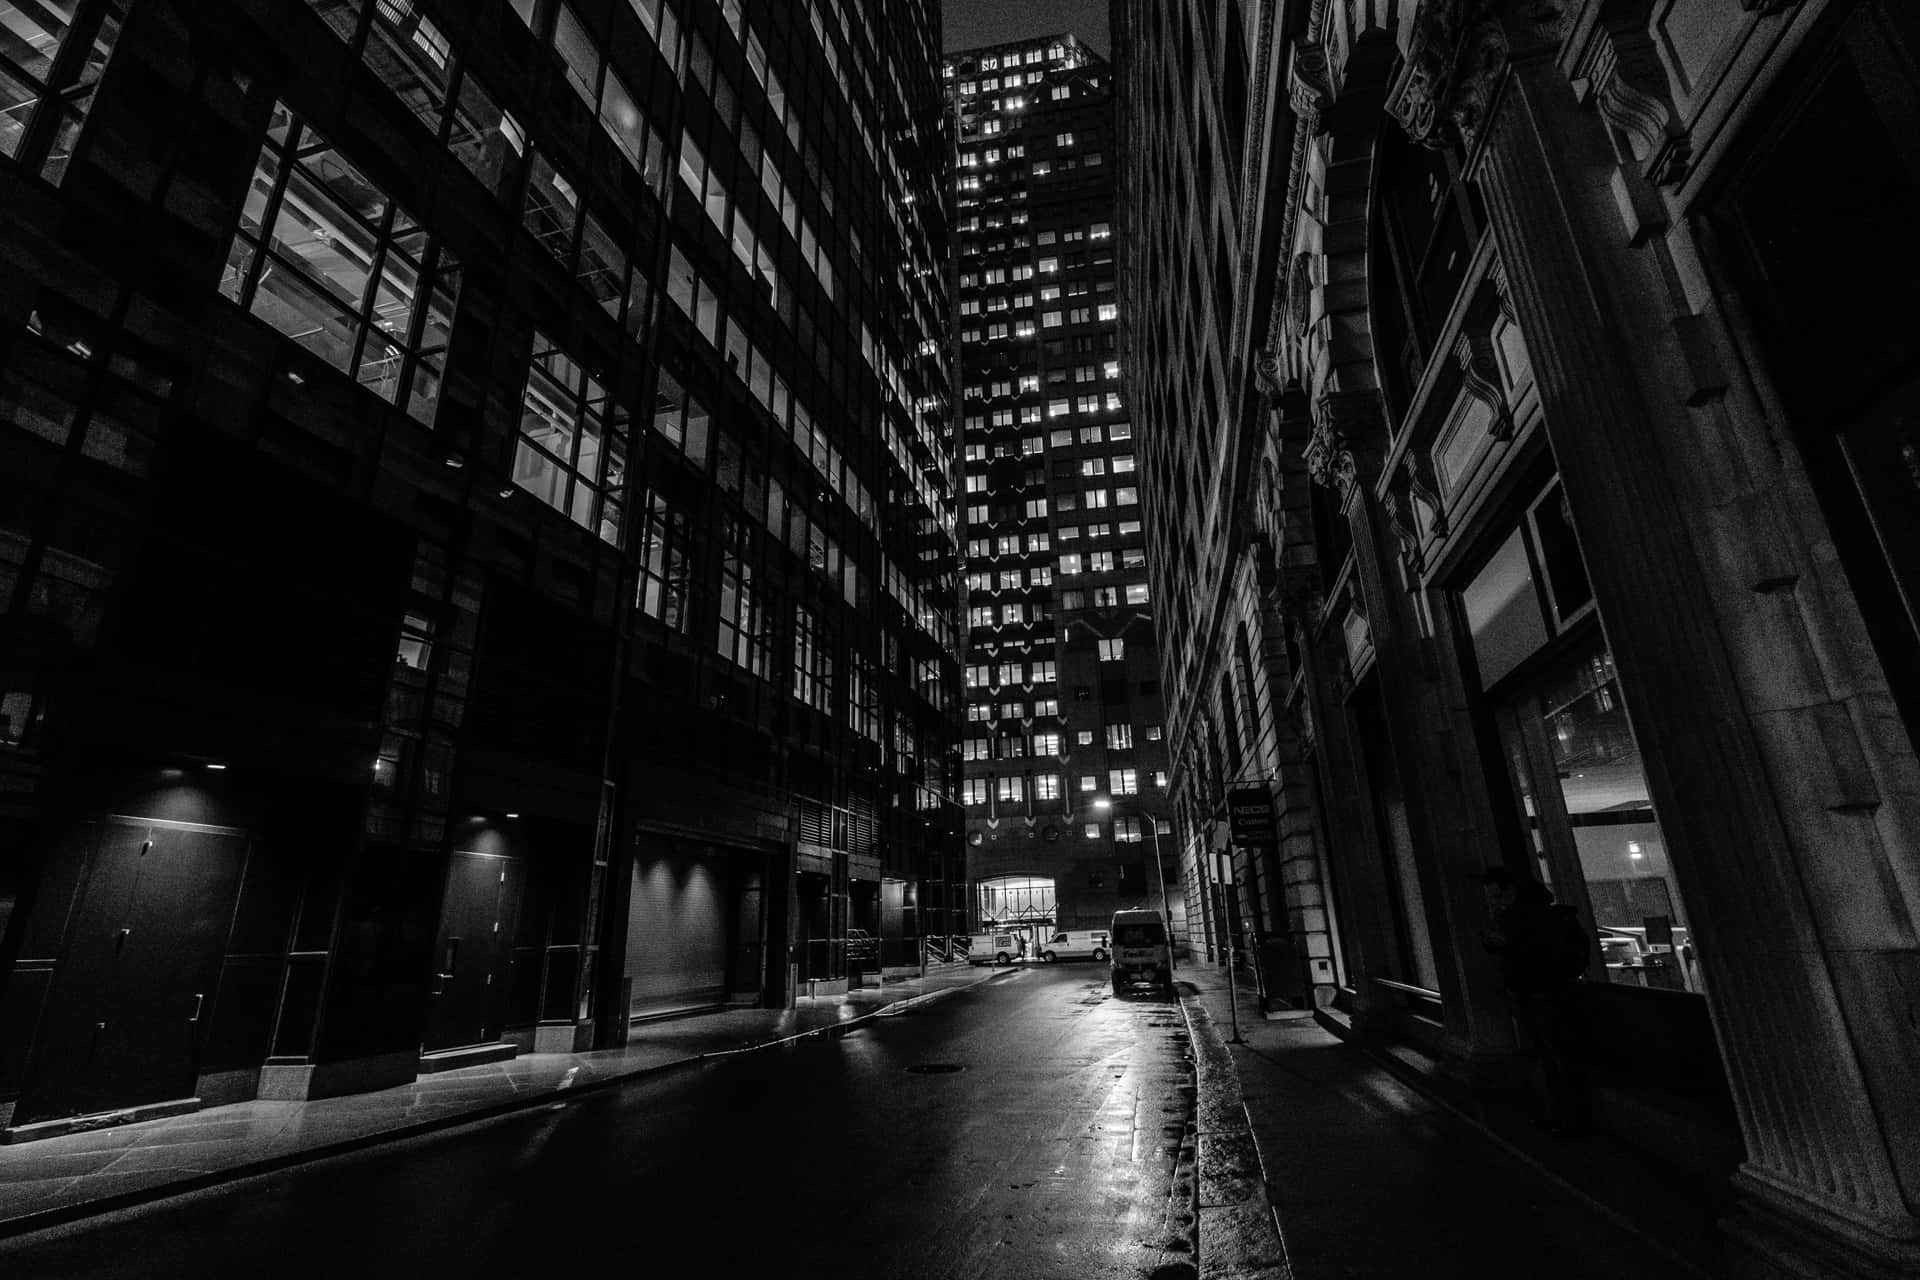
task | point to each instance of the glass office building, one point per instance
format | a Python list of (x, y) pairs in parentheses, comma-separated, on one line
[(476, 523)]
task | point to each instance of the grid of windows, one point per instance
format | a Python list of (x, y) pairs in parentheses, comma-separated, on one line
[(1042, 352)]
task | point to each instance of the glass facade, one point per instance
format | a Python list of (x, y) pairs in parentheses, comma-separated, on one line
[(542, 403)]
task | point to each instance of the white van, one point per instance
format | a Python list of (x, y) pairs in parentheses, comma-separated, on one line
[(1140, 952), (1076, 944), (992, 948)]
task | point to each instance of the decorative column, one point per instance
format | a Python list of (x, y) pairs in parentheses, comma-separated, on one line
[(1822, 1183)]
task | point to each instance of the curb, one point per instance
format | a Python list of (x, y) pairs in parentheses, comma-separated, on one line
[(1236, 1221), (67, 1215)]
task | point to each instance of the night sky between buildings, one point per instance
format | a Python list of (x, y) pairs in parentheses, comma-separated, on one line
[(972, 23)]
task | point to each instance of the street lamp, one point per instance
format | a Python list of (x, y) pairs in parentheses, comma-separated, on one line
[(1166, 908)]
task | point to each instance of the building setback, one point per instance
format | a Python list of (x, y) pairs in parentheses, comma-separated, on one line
[(1532, 461), (1063, 758), (476, 535)]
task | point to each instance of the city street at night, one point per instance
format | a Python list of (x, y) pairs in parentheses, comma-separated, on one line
[(1051, 1152), (960, 639)]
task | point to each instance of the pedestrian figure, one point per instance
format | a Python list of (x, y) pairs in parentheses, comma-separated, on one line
[(1542, 952)]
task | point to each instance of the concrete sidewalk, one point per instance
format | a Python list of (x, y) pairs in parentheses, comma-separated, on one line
[(1318, 1162), (62, 1179)]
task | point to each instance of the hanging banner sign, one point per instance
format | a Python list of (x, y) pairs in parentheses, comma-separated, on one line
[(1250, 816)]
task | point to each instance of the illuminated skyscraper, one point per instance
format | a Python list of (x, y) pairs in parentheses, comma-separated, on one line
[(1064, 766)]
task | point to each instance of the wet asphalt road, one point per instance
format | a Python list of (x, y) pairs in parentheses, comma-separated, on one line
[(1052, 1153)]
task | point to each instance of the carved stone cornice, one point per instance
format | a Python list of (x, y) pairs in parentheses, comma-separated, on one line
[(1300, 293), (1453, 61), (1620, 73), (1502, 290), (1310, 84), (1458, 51), (1329, 453), (1269, 376), (1480, 378), (1421, 487), (1329, 461), (1406, 531)]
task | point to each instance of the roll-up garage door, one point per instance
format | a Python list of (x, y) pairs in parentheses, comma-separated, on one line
[(677, 930)]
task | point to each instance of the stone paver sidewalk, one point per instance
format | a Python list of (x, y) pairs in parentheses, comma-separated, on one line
[(1359, 1176)]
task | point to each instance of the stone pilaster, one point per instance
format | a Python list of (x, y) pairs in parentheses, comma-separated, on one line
[(1823, 1187)]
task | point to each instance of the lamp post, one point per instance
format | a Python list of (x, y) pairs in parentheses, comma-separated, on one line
[(1166, 908)]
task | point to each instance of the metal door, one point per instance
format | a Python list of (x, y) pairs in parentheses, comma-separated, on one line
[(747, 948), (136, 982), (473, 952)]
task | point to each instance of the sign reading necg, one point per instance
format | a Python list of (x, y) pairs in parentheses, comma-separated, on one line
[(1250, 817)]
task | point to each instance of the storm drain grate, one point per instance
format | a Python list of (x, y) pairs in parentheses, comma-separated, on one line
[(935, 1068)]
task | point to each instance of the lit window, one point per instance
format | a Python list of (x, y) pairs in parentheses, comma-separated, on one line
[(323, 255), (44, 97), (812, 660), (664, 563), (572, 450), (1112, 650), (1124, 782)]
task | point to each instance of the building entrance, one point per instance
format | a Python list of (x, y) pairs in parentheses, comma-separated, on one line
[(474, 950), (693, 927), (143, 955)]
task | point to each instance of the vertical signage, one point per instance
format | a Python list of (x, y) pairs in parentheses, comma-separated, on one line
[(1250, 818)]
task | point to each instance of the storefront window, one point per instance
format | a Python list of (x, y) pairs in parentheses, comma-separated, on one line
[(1571, 755)]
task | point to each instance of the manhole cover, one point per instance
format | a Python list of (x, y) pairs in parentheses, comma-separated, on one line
[(935, 1068)]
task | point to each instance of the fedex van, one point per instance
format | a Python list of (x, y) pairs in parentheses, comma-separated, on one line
[(1140, 952)]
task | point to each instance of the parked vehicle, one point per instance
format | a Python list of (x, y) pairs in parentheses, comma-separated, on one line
[(1140, 952), (992, 948), (1072, 944)]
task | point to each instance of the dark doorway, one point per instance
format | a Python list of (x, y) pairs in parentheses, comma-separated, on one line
[(474, 950), (136, 984), (749, 948), (814, 942)]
